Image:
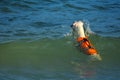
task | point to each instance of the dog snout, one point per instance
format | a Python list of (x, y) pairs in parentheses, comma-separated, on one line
[(71, 26)]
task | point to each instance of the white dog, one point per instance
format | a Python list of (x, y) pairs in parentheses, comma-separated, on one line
[(82, 40)]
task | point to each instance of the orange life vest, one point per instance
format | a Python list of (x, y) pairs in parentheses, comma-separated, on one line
[(86, 46)]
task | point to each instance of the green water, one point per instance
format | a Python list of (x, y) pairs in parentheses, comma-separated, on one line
[(58, 59)]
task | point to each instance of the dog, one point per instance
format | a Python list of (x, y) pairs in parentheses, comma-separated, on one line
[(83, 43)]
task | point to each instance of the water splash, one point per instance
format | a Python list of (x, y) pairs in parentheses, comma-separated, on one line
[(95, 57), (87, 28)]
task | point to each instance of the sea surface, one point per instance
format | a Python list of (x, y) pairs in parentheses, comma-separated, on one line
[(35, 43)]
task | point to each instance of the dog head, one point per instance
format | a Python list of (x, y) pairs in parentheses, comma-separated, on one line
[(77, 24), (77, 29)]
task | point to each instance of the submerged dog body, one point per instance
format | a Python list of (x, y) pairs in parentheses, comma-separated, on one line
[(82, 40)]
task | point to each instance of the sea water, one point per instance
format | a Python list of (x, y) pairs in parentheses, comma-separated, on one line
[(33, 45)]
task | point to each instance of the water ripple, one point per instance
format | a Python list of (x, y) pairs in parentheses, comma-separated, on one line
[(76, 7), (42, 24), (48, 18)]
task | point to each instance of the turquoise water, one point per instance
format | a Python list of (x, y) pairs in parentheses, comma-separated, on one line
[(58, 59), (33, 45)]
